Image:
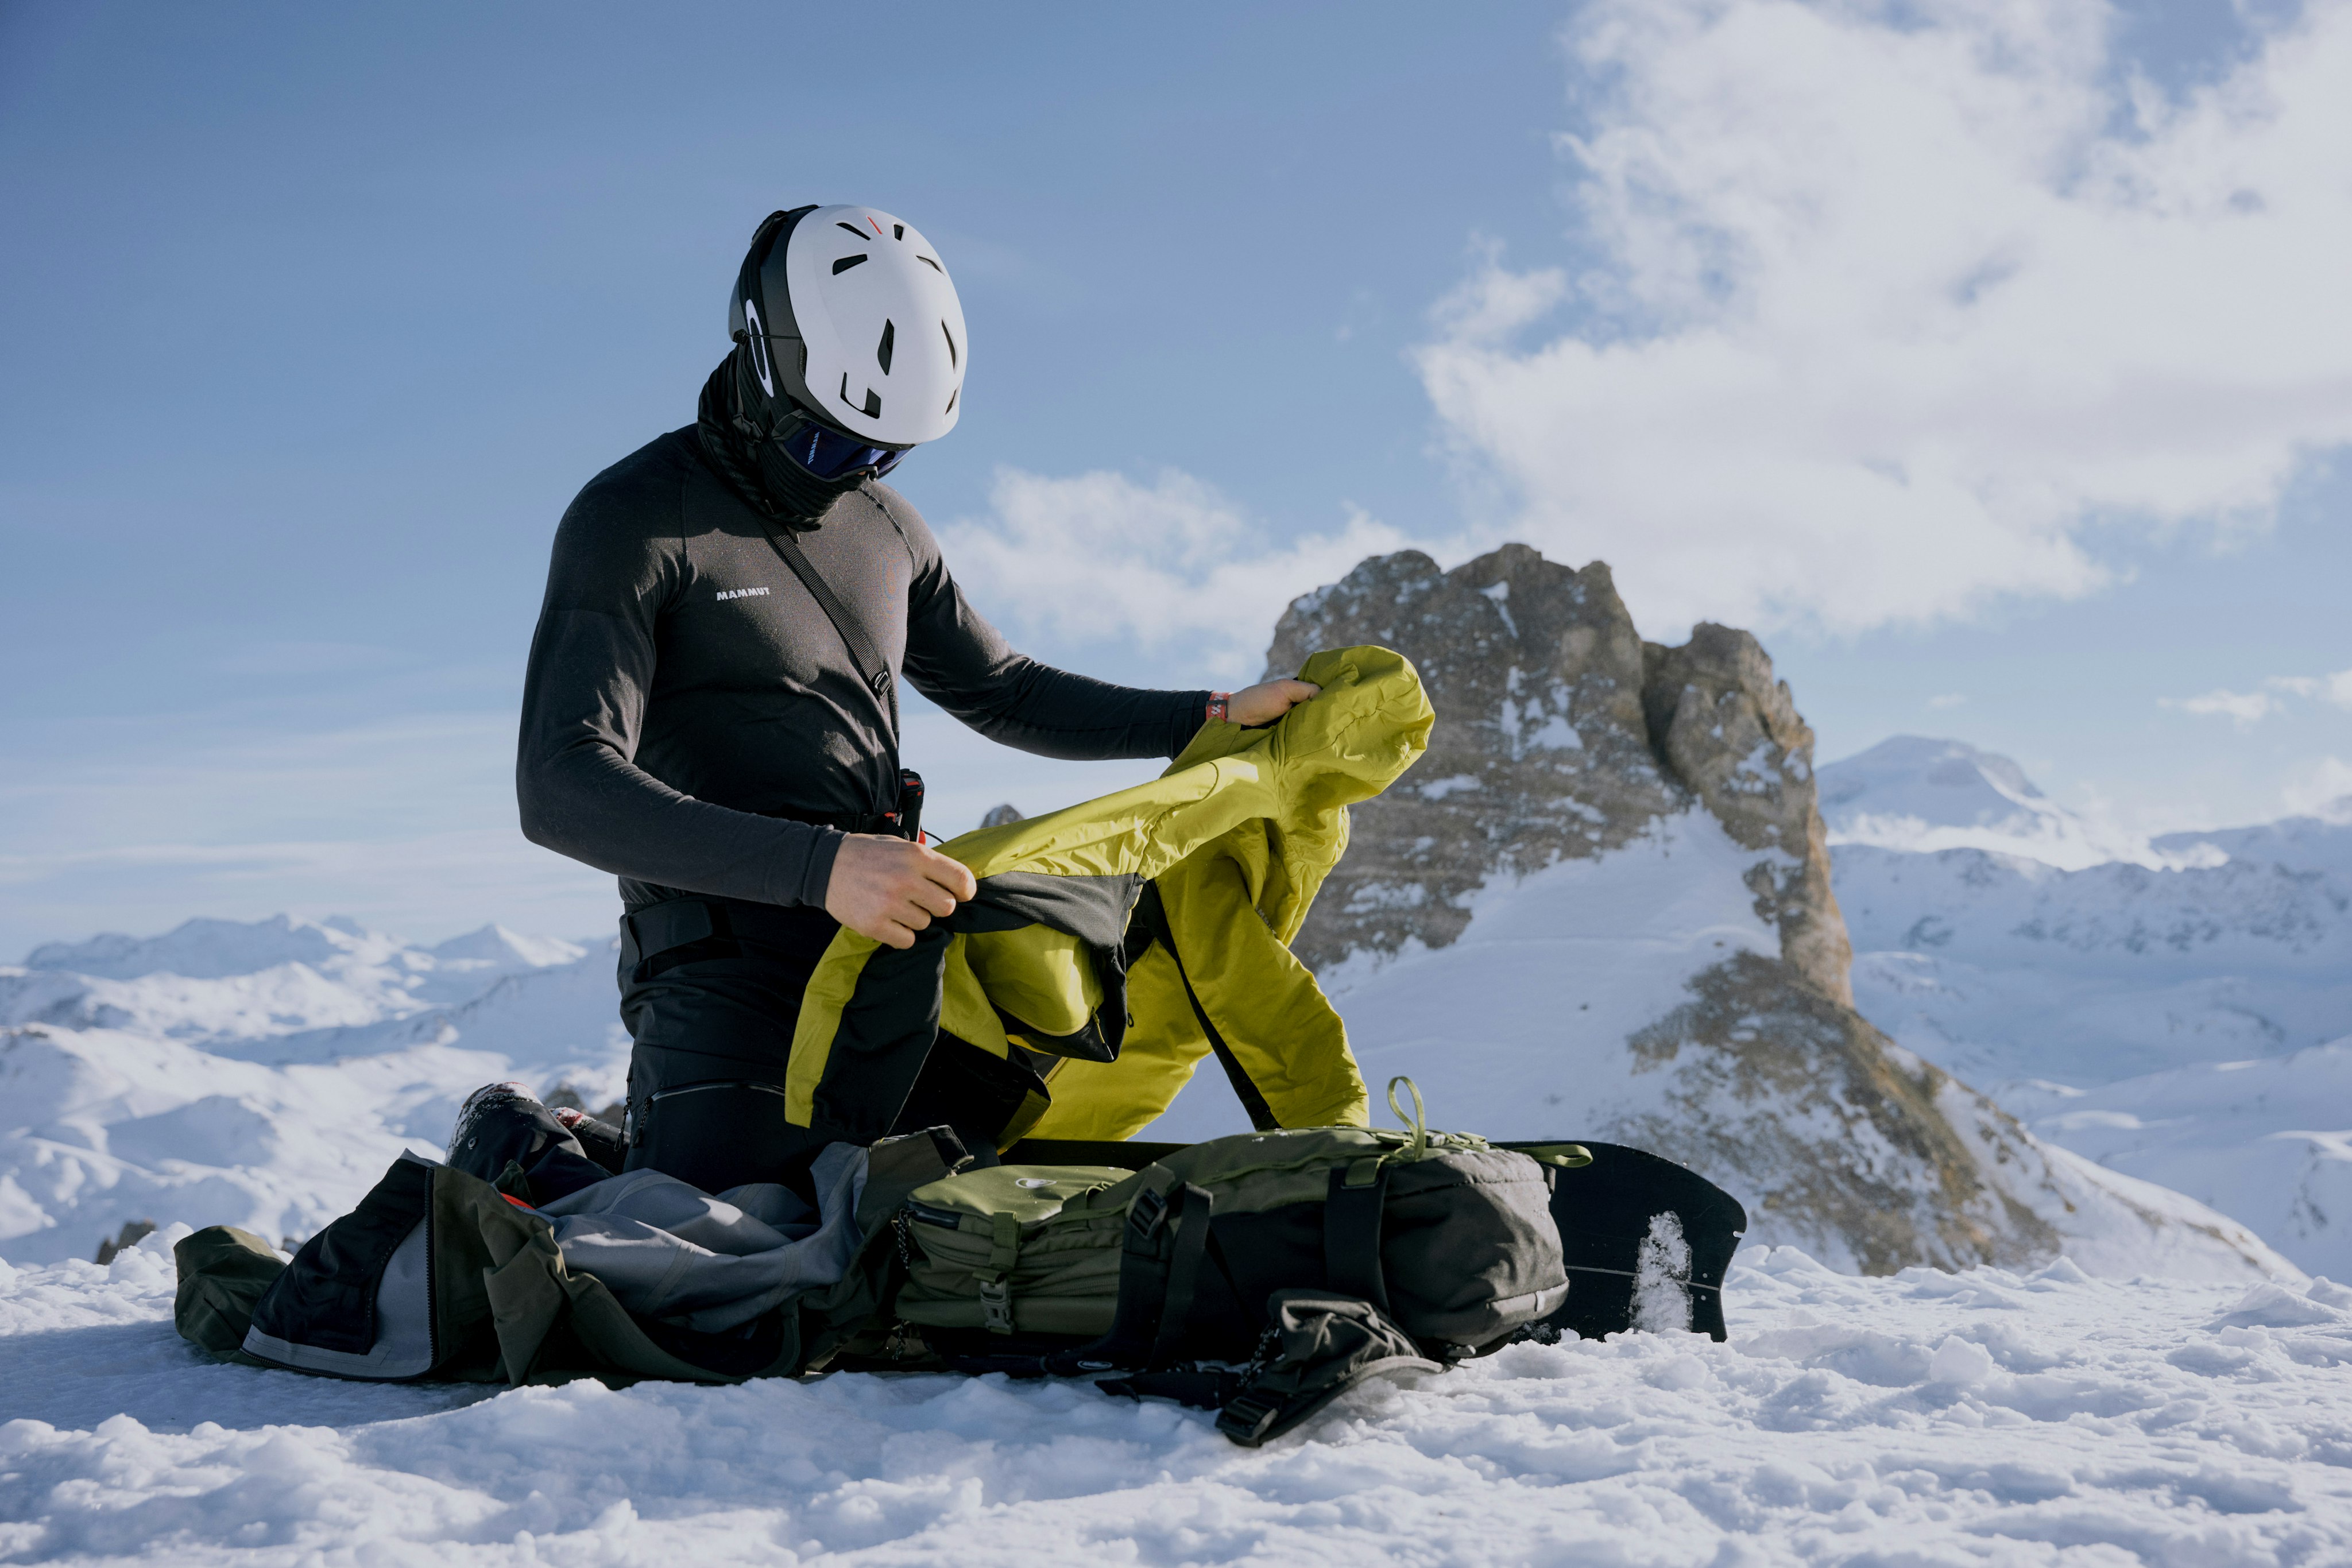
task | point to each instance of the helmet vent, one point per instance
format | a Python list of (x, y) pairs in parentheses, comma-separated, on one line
[(873, 408), (853, 228), (934, 266), (951, 397), (882, 354), (847, 262), (898, 231), (955, 360)]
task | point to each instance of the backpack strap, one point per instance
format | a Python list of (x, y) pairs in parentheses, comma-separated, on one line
[(1321, 1343), (1159, 1271), (1189, 1242), (871, 665), (1351, 1231)]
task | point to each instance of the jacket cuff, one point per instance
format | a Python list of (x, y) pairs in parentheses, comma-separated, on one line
[(1191, 712)]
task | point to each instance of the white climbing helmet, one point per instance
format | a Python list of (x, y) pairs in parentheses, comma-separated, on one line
[(850, 314)]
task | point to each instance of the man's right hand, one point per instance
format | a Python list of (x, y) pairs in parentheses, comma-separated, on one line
[(890, 888)]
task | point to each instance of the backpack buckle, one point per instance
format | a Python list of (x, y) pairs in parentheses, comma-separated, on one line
[(1145, 1213), (996, 1303), (1247, 1415)]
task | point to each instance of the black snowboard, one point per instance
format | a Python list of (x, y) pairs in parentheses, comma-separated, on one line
[(1605, 1212)]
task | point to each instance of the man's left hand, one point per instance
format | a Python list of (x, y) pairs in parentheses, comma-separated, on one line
[(1267, 700)]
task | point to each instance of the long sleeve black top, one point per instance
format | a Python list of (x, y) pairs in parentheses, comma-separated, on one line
[(683, 684)]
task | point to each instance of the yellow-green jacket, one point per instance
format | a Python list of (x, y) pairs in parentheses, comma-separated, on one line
[(1053, 967)]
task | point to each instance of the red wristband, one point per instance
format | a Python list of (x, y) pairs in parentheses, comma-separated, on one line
[(1217, 701)]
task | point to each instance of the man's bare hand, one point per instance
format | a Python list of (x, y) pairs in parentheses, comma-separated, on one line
[(890, 889), (1267, 700)]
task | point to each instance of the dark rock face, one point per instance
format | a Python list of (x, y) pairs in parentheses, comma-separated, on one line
[(1732, 736), (1560, 735), (1800, 1100)]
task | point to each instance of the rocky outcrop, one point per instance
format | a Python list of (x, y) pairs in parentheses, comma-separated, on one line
[(1599, 907), (1560, 735), (1730, 735), (1798, 1099)]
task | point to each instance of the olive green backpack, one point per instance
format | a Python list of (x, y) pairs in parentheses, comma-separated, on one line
[(1442, 1242)]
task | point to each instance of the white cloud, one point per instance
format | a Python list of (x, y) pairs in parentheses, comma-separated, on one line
[(1099, 558), (2247, 707), (2322, 790), (1891, 307)]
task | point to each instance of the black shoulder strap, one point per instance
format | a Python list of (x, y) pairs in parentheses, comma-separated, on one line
[(1352, 1235), (871, 665), (1158, 1269), (1151, 912)]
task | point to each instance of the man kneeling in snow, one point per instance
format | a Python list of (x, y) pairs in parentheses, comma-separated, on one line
[(711, 707)]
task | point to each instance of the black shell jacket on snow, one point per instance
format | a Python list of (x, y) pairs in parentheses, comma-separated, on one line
[(686, 695)]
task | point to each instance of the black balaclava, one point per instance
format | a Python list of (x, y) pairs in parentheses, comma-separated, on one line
[(750, 459)]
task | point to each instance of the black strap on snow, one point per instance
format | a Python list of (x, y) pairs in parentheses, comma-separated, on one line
[(1152, 914), (1201, 1387), (1351, 1237), (1321, 1345)]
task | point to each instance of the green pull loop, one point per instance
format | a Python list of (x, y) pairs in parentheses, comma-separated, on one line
[(1416, 1121)]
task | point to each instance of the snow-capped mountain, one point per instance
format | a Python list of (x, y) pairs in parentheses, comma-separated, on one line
[(2176, 1012), (1602, 905), (2267, 1141), (1913, 793), (2320, 843), (230, 981), (264, 1074)]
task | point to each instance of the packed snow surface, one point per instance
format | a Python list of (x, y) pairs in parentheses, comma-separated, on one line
[(1926, 1418)]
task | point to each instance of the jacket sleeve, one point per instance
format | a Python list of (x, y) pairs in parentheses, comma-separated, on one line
[(617, 562), (962, 662)]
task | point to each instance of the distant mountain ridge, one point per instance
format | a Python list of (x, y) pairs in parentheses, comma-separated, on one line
[(205, 950), (265, 1074), (2177, 1013)]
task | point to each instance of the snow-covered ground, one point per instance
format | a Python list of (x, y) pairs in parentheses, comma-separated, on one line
[(1982, 1418), (265, 1074)]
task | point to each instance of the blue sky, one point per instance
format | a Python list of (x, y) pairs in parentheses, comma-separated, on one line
[(316, 317)]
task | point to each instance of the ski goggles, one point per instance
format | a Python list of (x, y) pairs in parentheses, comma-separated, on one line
[(829, 455)]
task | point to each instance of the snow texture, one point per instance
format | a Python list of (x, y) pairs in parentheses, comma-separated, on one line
[(269, 1078), (1926, 1418)]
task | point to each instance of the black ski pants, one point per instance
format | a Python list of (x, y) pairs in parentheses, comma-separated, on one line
[(711, 991)]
